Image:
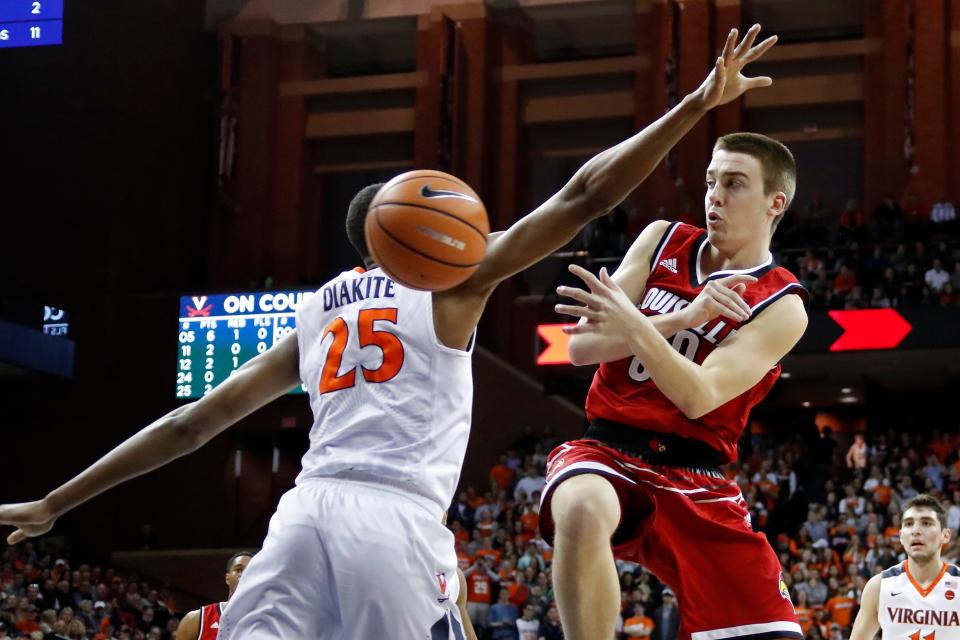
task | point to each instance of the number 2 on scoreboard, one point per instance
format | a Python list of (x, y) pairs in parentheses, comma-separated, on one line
[(36, 9), (392, 348)]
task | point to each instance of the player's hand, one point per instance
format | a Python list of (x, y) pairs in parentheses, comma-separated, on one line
[(606, 308), (722, 297), (725, 82), (30, 518)]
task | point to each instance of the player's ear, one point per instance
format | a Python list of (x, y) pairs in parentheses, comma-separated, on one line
[(779, 203)]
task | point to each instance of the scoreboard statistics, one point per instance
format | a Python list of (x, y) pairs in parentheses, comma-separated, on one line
[(219, 333), (31, 23)]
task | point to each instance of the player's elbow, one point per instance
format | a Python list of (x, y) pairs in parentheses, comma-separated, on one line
[(698, 402), (185, 430), (587, 198), (580, 352)]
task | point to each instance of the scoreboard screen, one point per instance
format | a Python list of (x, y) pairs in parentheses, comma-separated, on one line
[(30, 23), (219, 333)]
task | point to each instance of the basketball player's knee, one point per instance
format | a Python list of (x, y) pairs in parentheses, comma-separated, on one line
[(585, 507)]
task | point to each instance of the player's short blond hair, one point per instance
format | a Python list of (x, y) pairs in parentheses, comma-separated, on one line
[(779, 167)]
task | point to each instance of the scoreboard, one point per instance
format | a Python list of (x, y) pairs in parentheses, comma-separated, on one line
[(219, 333), (31, 23)]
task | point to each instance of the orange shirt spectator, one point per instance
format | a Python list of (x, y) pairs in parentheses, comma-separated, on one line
[(638, 627), (479, 587), (882, 494), (841, 609), (530, 520), (519, 593), (844, 281), (493, 554), (502, 474)]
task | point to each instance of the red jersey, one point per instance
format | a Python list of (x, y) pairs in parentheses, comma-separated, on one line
[(479, 586), (623, 392), (210, 621)]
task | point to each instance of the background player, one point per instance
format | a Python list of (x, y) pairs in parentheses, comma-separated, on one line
[(918, 597), (388, 440), (666, 413), (204, 623)]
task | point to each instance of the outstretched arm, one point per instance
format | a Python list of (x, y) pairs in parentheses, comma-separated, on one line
[(183, 430), (599, 185)]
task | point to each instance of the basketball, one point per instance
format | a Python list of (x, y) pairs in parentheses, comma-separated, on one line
[(427, 230)]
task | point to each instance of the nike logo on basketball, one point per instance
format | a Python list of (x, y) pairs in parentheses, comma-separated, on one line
[(427, 192), (670, 264)]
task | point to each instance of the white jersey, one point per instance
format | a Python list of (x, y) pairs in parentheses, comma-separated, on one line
[(391, 404), (908, 612)]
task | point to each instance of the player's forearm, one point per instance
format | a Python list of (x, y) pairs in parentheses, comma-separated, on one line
[(614, 173), (682, 381), (591, 348), (153, 446)]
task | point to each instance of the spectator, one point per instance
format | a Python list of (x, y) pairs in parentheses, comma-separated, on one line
[(936, 277), (948, 296), (851, 223), (943, 212), (531, 482), (887, 218), (501, 619), (550, 630), (528, 627), (845, 281), (637, 625), (501, 474), (879, 299), (666, 618), (857, 454)]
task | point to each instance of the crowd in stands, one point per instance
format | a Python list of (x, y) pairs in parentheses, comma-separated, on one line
[(903, 255), (42, 598), (831, 514)]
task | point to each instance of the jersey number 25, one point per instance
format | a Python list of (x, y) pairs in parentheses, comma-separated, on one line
[(392, 348)]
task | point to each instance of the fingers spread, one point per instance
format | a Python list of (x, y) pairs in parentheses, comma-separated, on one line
[(589, 279), (729, 44), (579, 312), (760, 49), (747, 41), (577, 294), (761, 81)]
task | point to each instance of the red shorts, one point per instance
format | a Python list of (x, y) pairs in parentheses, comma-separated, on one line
[(691, 529)]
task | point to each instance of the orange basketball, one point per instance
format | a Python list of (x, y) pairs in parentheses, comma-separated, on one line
[(427, 230)]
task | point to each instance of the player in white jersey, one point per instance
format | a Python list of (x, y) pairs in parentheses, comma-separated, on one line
[(357, 549), (916, 599)]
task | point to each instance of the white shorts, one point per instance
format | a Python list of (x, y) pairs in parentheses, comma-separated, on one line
[(349, 560)]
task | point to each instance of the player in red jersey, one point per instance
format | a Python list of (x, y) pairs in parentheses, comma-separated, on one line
[(204, 623), (689, 332)]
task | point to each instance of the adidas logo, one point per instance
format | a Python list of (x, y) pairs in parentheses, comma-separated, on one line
[(670, 264), (215, 625)]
